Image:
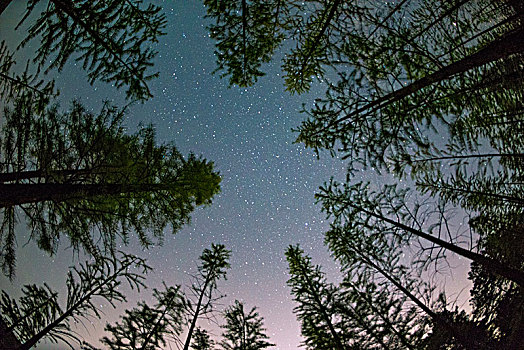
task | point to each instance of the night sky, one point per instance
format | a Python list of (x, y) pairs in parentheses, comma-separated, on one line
[(268, 182)]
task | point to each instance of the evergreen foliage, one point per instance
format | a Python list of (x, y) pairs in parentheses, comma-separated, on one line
[(202, 340), (212, 268), (110, 38), (146, 327), (247, 33), (317, 303), (38, 315), (79, 175), (243, 330)]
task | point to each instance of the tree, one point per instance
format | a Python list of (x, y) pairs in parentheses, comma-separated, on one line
[(110, 38), (146, 327), (361, 255), (247, 33), (38, 315), (243, 331), (355, 208), (213, 267), (317, 300), (202, 340), (78, 174)]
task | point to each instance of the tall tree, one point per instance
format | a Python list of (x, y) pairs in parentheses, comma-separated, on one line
[(146, 327), (78, 174), (243, 331), (316, 299), (213, 267), (355, 208), (38, 315), (110, 38), (247, 33)]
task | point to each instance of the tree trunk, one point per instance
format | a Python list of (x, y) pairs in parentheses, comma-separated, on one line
[(386, 320), (490, 264), (496, 196), (39, 174), (323, 312), (456, 333), (17, 194), (195, 316), (511, 43), (37, 337)]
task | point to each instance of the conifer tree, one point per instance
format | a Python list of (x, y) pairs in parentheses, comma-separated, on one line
[(202, 340), (110, 38), (317, 300), (213, 267), (78, 174), (38, 315), (146, 327), (247, 33), (354, 208), (243, 330)]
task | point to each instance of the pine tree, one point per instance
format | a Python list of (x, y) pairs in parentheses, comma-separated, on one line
[(243, 331), (38, 316), (377, 216), (78, 174), (110, 38), (247, 33), (24, 85), (317, 300), (213, 267), (146, 327)]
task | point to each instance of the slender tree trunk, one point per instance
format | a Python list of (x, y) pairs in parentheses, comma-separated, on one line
[(152, 330), (509, 44), (500, 197), (195, 316), (386, 320), (469, 156), (362, 322), (3, 5), (490, 264), (244, 39)]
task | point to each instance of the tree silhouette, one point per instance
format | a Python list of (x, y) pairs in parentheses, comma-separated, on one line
[(243, 331), (78, 174), (316, 299), (22, 85), (202, 340), (38, 315), (146, 327), (247, 33), (110, 38), (355, 207), (213, 267)]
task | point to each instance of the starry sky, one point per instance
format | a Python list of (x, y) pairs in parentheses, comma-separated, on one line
[(268, 181)]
